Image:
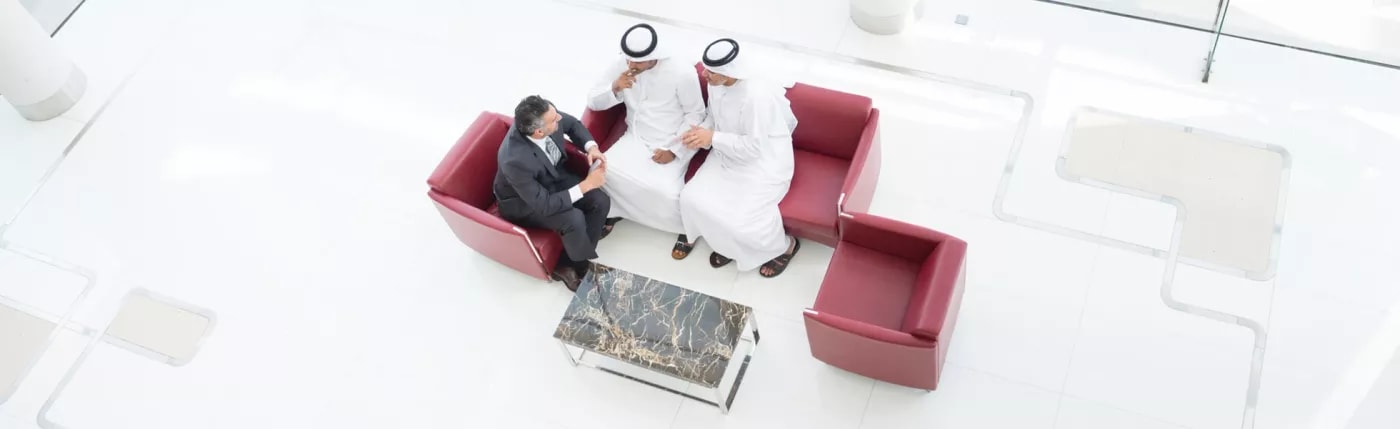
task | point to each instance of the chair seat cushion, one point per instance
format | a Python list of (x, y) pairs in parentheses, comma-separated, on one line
[(867, 285), (809, 209)]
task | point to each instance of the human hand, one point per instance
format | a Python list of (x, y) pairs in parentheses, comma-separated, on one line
[(625, 81), (697, 138), (596, 155), (595, 179), (663, 156)]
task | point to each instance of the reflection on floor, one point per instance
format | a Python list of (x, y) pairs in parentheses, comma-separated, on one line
[(24, 336), (276, 177)]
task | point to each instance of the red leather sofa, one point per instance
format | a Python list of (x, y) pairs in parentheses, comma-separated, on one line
[(460, 187), (836, 156), (889, 301)]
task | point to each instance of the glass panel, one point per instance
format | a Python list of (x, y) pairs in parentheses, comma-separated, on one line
[(1194, 13), (51, 14), (1362, 29), (1355, 29)]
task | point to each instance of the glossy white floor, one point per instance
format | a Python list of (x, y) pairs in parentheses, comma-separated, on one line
[(265, 160)]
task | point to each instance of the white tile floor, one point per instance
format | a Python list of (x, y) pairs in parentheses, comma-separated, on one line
[(265, 159)]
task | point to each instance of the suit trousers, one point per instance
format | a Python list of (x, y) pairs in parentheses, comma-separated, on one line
[(580, 227)]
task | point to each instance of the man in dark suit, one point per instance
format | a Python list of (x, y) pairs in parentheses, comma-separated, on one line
[(535, 190)]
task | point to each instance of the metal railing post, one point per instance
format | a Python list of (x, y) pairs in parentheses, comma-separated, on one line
[(1221, 10)]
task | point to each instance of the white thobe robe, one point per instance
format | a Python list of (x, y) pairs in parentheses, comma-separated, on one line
[(733, 200), (661, 105)]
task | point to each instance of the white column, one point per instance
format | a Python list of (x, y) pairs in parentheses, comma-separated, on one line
[(883, 16), (36, 76)]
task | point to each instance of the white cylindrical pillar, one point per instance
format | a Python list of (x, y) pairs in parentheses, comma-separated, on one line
[(36, 76), (883, 16)]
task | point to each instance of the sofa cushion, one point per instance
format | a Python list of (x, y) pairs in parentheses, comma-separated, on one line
[(809, 209), (603, 124), (616, 132), (867, 285), (828, 122)]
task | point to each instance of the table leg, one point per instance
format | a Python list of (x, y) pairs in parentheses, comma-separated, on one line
[(720, 400), (567, 353), (727, 398), (753, 320)]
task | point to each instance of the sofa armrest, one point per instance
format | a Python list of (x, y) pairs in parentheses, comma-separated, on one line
[(937, 295), (910, 242), (864, 175), (491, 235), (875, 352), (476, 215), (866, 330), (602, 123)]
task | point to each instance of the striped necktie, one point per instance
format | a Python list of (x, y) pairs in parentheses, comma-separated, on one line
[(552, 150)]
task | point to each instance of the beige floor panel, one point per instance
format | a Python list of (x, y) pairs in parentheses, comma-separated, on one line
[(23, 338), (163, 328), (1230, 189)]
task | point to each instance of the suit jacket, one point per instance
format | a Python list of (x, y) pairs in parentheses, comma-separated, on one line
[(527, 185)]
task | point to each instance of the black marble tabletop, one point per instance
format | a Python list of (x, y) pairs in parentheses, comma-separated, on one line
[(654, 324)]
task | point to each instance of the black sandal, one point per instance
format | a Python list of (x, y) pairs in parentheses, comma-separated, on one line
[(608, 225), (717, 260), (780, 263), (682, 248)]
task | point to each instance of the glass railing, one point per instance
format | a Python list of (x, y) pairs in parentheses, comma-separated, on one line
[(1359, 30), (52, 14)]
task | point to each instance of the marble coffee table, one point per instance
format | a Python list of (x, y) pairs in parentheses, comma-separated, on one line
[(659, 327)]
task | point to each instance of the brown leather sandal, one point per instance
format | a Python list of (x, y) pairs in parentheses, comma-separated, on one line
[(682, 248), (717, 260), (780, 263)]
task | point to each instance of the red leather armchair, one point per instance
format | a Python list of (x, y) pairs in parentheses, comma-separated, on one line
[(889, 302), (836, 156), (460, 187)]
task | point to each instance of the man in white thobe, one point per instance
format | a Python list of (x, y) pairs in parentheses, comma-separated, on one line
[(733, 200), (647, 165)]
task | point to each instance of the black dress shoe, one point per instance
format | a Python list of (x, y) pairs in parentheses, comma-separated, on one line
[(608, 225), (568, 275)]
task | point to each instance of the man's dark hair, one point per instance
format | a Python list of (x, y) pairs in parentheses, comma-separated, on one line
[(529, 114)]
